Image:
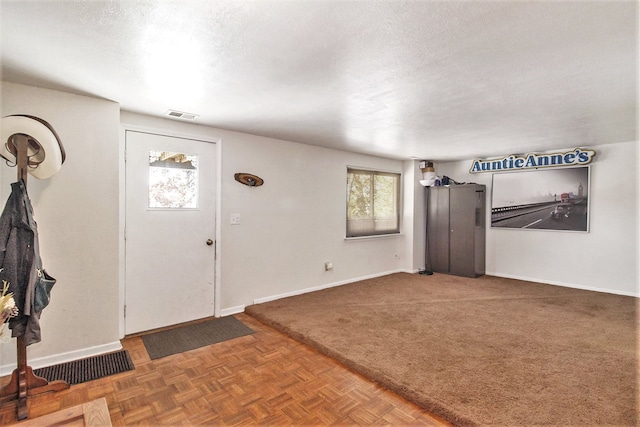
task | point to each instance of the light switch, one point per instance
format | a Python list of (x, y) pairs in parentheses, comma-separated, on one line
[(235, 219)]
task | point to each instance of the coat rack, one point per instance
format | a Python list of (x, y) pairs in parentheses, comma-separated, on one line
[(23, 381)]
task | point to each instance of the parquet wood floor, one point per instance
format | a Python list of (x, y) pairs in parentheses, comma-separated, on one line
[(261, 379)]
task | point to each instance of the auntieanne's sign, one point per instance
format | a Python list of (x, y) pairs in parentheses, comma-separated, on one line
[(576, 157)]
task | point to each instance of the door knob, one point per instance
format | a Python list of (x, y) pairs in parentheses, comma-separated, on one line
[(209, 242)]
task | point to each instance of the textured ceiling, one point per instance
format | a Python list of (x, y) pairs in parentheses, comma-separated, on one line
[(433, 80)]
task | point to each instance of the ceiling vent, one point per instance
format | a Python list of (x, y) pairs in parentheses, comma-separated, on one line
[(181, 115)]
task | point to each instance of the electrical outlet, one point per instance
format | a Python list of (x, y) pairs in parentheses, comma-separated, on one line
[(235, 219)]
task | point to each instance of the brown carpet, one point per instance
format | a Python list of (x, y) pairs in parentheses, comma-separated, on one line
[(485, 351)]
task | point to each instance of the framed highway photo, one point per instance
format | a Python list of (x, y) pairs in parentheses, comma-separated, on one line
[(541, 199)]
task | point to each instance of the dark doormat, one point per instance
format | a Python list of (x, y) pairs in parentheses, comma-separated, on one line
[(91, 368), (196, 335)]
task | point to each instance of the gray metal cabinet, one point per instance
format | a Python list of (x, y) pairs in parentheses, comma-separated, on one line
[(456, 229)]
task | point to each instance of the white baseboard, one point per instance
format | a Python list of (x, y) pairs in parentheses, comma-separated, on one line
[(232, 310), (566, 285), (56, 359), (326, 286)]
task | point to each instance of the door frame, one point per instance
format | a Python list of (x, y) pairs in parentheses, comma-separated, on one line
[(124, 127)]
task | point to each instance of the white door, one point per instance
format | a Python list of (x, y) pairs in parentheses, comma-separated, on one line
[(169, 231)]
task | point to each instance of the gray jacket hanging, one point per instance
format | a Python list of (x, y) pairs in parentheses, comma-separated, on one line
[(21, 264)]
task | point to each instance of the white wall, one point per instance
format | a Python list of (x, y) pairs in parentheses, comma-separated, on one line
[(292, 224), (414, 217), (77, 215), (604, 259)]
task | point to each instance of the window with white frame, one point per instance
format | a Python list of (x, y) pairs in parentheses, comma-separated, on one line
[(373, 202)]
